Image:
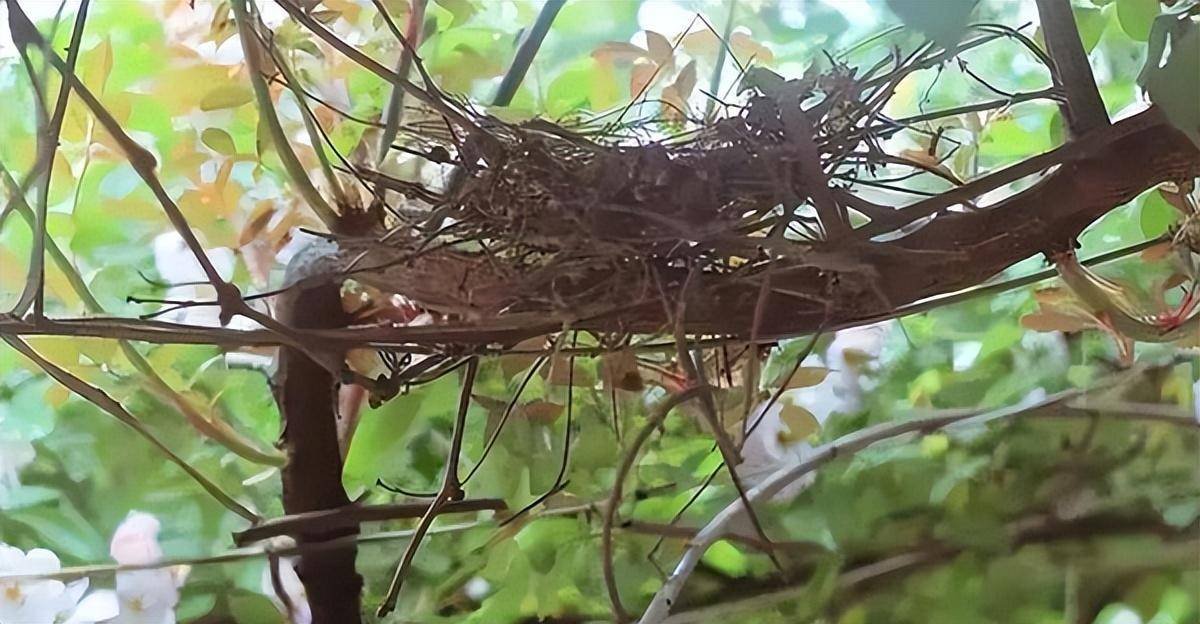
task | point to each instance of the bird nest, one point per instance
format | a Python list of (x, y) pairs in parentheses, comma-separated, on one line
[(599, 225)]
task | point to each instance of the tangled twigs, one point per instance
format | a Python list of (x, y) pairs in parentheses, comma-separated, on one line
[(142, 161), (451, 490)]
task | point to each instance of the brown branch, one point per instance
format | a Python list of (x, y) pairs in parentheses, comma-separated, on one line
[(1084, 110), (48, 137), (327, 520), (312, 478)]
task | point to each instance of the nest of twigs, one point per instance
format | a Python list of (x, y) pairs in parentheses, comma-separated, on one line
[(569, 224)]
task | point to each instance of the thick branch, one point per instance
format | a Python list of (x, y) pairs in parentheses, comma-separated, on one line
[(312, 479), (1084, 109)]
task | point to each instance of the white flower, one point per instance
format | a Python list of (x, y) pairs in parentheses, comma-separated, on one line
[(35, 601), (135, 542), (292, 587), (15, 454), (142, 596)]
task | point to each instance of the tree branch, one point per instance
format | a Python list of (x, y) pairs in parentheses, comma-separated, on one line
[(1084, 110), (100, 399), (350, 516), (847, 446)]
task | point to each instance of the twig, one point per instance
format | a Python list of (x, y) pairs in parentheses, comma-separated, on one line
[(327, 520), (730, 454), (101, 399), (266, 109), (428, 95), (142, 161), (845, 446), (451, 490), (714, 83), (48, 137), (508, 410), (217, 430), (620, 614), (526, 52), (861, 577), (411, 40)]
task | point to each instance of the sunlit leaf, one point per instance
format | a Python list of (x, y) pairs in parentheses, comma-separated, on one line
[(226, 96), (218, 140), (1136, 17)]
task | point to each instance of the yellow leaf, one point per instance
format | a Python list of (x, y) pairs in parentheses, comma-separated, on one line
[(807, 376), (800, 422), (1048, 321), (620, 370), (257, 222), (641, 76), (513, 364), (557, 372), (226, 96), (56, 395), (702, 43), (98, 66), (218, 140), (747, 49)]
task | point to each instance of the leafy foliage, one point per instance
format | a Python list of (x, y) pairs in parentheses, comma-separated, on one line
[(1091, 517)]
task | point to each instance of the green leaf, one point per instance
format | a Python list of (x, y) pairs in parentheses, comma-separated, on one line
[(1156, 215), (219, 141), (943, 21), (1175, 87), (726, 558), (1091, 24), (1137, 17)]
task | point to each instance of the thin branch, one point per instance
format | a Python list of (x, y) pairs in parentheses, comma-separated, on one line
[(862, 577), (451, 490), (1074, 150), (48, 137), (142, 161), (508, 410), (102, 400), (714, 83), (620, 614), (266, 110), (329, 520), (393, 114), (846, 446), (428, 95), (526, 52), (215, 429)]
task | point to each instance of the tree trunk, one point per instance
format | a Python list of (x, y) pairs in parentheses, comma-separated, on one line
[(312, 479)]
